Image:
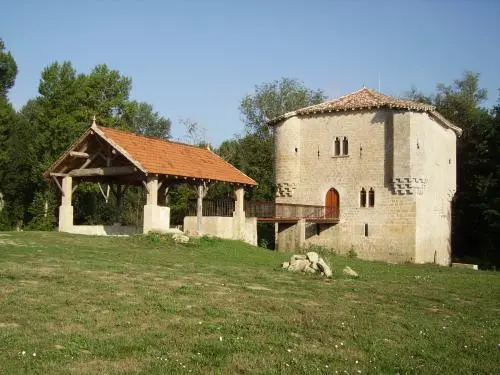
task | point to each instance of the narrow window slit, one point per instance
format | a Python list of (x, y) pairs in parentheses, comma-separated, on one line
[(371, 197), (362, 197), (336, 150)]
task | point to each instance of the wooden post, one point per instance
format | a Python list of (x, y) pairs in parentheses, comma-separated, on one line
[(119, 201)]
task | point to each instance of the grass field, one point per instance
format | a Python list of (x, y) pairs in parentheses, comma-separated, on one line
[(143, 305)]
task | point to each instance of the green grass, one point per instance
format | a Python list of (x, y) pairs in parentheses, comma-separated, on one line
[(94, 305)]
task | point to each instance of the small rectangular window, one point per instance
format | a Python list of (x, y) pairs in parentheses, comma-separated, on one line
[(371, 197), (366, 229), (362, 197), (336, 147)]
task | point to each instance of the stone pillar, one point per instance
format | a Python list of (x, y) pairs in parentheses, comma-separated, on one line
[(66, 209), (199, 209), (239, 214), (239, 195), (151, 209), (291, 236)]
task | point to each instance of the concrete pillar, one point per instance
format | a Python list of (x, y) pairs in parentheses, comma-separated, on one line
[(66, 209), (156, 218)]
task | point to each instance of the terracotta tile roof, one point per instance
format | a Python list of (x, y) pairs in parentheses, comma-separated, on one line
[(155, 155), (366, 99)]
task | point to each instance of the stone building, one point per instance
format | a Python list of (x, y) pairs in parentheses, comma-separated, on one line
[(384, 167)]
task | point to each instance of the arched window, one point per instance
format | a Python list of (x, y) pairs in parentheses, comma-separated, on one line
[(345, 146), (336, 147), (362, 197), (371, 197)]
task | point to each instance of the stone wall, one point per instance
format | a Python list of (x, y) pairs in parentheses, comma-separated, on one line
[(382, 155), (223, 227), (104, 230), (434, 158)]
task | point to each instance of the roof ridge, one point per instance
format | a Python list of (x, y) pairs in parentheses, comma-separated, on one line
[(150, 137), (364, 88)]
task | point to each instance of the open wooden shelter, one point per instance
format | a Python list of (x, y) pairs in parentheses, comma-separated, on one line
[(120, 159)]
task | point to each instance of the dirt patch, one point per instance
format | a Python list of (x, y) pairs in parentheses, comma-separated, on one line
[(8, 242), (309, 303), (438, 310), (258, 287)]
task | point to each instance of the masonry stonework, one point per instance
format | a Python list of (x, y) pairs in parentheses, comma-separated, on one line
[(406, 157)]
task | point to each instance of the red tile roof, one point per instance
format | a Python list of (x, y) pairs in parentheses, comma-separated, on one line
[(174, 159), (366, 99)]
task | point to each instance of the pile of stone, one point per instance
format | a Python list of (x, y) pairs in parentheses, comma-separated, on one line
[(180, 238), (309, 263)]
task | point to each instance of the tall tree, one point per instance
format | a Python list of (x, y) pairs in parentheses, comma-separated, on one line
[(8, 71), (253, 153), (8, 120), (271, 100), (146, 121)]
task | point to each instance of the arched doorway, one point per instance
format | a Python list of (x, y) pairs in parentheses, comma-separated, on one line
[(332, 204)]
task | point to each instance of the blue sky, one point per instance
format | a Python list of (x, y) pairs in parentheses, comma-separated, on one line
[(197, 59)]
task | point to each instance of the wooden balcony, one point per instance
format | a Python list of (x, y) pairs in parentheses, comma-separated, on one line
[(268, 211)]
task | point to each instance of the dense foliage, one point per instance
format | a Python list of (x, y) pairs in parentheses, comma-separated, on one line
[(32, 138)]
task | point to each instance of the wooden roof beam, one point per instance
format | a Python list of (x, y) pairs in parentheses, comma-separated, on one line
[(107, 171), (78, 154)]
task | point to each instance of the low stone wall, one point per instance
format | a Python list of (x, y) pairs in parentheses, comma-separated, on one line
[(104, 230), (251, 230), (223, 227)]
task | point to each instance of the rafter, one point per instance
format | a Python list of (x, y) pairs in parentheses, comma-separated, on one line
[(107, 171)]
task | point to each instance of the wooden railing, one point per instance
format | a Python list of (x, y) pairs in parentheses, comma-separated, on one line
[(264, 209), (269, 209), (212, 207)]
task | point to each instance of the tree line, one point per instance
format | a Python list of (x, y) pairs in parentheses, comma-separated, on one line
[(35, 135)]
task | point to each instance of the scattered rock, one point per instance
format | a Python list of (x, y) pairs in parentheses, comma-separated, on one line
[(309, 263), (299, 265), (312, 256), (323, 267), (180, 238), (350, 272), (309, 269)]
